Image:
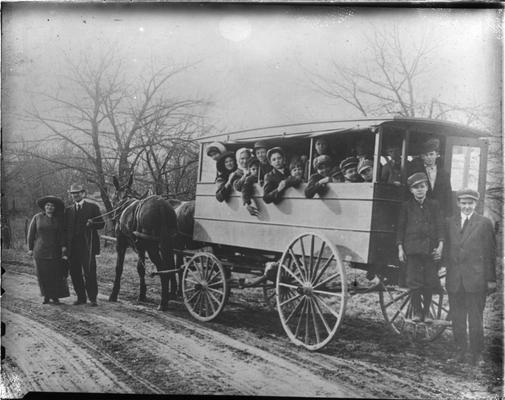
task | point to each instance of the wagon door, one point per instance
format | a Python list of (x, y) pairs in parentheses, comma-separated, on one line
[(466, 160)]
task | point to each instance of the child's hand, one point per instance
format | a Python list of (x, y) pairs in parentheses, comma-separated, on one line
[(401, 255), (252, 210), (437, 252), (30, 253), (324, 181), (282, 185)]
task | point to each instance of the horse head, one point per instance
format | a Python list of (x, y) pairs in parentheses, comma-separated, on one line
[(123, 196)]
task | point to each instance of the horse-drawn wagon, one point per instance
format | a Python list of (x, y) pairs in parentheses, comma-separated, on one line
[(303, 253)]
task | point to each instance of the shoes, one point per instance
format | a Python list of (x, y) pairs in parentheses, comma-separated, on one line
[(46, 300), (417, 318), (78, 302), (428, 320), (442, 322), (56, 301), (93, 303), (478, 360)]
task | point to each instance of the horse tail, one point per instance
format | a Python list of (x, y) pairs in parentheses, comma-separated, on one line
[(168, 230)]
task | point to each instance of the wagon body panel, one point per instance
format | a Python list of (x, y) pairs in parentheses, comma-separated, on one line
[(344, 219)]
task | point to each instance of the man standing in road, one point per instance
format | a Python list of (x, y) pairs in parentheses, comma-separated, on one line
[(470, 260), (81, 244)]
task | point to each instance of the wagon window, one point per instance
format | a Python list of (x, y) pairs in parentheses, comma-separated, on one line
[(208, 173), (465, 167)]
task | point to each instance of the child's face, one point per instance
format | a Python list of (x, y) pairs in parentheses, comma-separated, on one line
[(430, 158), (261, 155), (467, 206), (321, 147), (277, 160), (419, 190), (253, 170), (297, 172), (367, 174), (351, 174), (229, 163), (394, 153), (214, 155), (323, 170), (242, 160)]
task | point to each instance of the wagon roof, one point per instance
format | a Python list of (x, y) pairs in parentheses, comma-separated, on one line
[(313, 129)]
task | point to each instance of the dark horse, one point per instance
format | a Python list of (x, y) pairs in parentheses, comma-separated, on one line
[(151, 225)]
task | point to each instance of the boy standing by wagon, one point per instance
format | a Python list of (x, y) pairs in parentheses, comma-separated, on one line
[(420, 242)]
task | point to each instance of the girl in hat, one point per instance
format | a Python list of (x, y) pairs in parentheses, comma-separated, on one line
[(226, 167), (45, 236)]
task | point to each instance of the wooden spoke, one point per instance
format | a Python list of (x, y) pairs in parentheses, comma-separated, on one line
[(400, 309), (290, 299), (394, 300), (211, 297), (302, 247), (316, 265), (215, 283), (321, 316), (312, 238), (314, 322), (335, 314), (293, 275), (293, 257), (304, 302), (340, 295), (323, 270), (192, 281), (295, 309), (331, 277)]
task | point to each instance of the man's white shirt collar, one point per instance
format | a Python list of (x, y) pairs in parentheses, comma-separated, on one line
[(464, 216), (80, 203)]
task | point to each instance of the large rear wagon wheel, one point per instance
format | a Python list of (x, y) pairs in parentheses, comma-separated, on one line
[(205, 287), (397, 310), (311, 290)]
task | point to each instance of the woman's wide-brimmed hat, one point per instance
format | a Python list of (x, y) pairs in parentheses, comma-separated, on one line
[(58, 203)]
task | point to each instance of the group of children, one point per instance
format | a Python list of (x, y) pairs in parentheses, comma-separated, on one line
[(269, 167)]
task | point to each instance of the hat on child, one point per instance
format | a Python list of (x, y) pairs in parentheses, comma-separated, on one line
[(467, 194), (275, 150), (416, 178), (322, 159), (364, 164), (296, 162), (349, 162), (260, 145), (432, 144), (216, 146)]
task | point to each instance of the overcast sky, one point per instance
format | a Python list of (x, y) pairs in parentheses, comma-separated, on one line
[(250, 61)]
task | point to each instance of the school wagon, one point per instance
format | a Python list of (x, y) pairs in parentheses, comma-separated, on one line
[(311, 256)]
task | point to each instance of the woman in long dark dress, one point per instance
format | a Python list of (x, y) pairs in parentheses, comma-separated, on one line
[(44, 244)]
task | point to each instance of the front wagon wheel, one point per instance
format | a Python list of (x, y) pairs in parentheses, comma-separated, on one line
[(204, 286), (311, 290)]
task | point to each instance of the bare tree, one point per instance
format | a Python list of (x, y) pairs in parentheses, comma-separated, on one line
[(102, 115)]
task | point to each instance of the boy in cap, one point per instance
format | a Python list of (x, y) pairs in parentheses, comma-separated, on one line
[(276, 181), (365, 169), (420, 241), (319, 180), (349, 168), (470, 259), (260, 151), (439, 182), (391, 171)]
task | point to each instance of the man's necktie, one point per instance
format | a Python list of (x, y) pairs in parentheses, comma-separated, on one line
[(465, 224)]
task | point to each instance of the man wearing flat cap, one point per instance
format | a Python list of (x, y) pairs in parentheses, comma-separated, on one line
[(439, 182), (470, 260), (81, 244)]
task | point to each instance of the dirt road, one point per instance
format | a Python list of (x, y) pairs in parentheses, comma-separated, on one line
[(128, 347)]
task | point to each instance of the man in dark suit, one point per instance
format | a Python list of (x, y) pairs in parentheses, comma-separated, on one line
[(439, 182), (81, 244), (470, 260)]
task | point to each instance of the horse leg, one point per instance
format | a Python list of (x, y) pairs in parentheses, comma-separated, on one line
[(154, 255), (121, 245), (141, 269)]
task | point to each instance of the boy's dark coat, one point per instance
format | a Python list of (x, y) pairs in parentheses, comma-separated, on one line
[(272, 180)]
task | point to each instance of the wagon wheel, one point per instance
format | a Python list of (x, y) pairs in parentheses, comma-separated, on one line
[(311, 290), (397, 311), (205, 287)]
